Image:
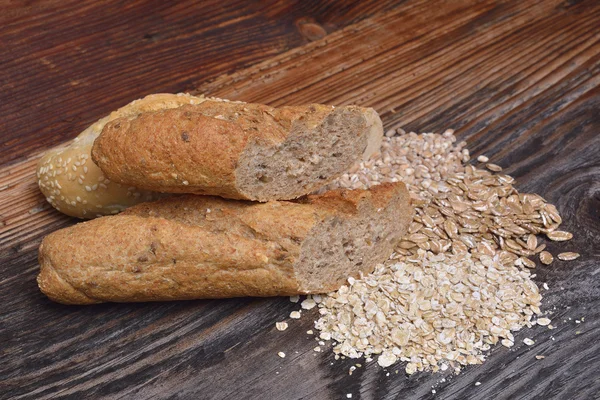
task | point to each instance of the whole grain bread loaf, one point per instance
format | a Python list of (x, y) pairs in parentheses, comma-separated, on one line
[(191, 247), (237, 150)]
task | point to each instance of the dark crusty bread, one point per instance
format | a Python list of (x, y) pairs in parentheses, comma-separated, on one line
[(237, 150), (191, 247)]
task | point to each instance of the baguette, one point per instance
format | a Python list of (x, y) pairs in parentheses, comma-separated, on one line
[(193, 247), (237, 150), (74, 185)]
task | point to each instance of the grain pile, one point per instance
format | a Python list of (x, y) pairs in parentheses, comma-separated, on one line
[(460, 281)]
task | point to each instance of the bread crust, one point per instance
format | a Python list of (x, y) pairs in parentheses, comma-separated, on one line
[(201, 148), (74, 185), (191, 247)]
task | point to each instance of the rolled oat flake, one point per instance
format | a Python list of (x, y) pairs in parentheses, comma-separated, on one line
[(470, 247)]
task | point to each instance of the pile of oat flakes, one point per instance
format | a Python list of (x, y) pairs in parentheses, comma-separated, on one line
[(461, 280)]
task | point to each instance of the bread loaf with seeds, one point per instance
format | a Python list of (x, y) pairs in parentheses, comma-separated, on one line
[(74, 185), (193, 247), (237, 150)]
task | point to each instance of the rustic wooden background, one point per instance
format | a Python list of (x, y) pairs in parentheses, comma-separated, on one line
[(519, 80)]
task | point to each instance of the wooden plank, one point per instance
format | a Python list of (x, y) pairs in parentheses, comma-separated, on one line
[(520, 82), (65, 63)]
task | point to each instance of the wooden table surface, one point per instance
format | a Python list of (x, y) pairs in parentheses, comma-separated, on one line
[(518, 80)]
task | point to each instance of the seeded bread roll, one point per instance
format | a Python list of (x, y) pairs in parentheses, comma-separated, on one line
[(193, 247), (74, 185), (237, 150)]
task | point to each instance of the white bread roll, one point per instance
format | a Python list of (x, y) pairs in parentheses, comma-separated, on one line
[(74, 185)]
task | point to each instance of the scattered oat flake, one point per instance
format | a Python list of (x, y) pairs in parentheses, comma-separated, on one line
[(281, 326), (309, 332), (483, 159), (294, 299), (281, 354), (493, 167), (317, 349), (308, 304), (411, 368), (543, 321), (568, 256), (528, 342), (295, 315), (349, 395), (546, 287), (559, 236), (469, 247), (527, 262), (386, 359), (477, 383), (540, 357), (546, 258)]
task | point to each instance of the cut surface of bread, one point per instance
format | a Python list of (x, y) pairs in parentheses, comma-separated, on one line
[(191, 247), (237, 150)]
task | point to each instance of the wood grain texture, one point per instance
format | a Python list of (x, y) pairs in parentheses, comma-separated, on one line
[(519, 80), (65, 63)]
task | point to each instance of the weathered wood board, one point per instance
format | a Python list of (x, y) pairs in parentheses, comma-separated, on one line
[(518, 80)]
